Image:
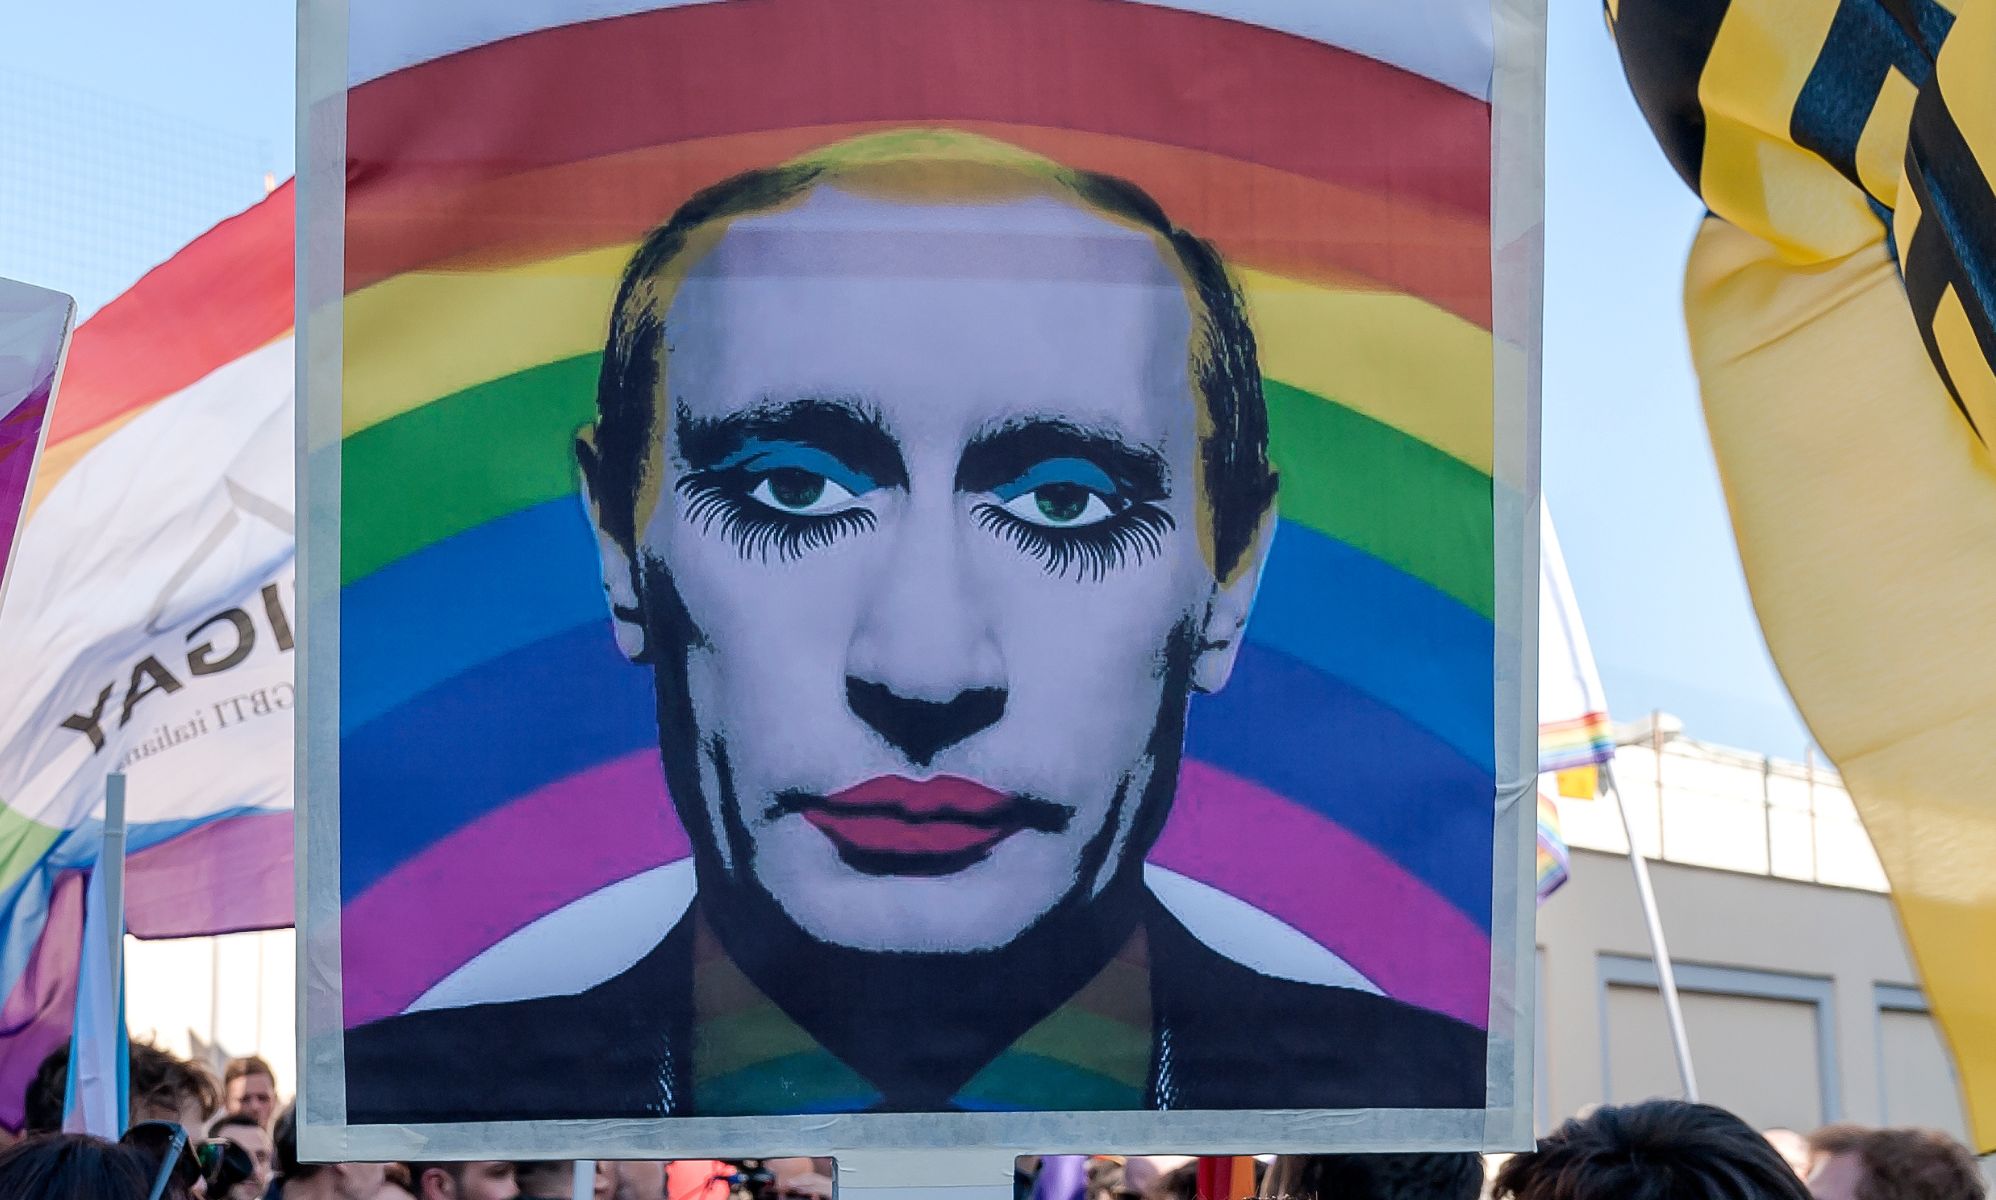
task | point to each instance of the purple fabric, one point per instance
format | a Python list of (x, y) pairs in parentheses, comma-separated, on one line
[(20, 433), (35, 1020), (1061, 1177), (226, 877)]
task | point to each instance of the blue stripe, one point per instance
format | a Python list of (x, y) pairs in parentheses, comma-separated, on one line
[(496, 732), (1384, 632), (467, 600)]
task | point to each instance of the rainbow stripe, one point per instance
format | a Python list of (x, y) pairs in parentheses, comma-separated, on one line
[(1343, 781)]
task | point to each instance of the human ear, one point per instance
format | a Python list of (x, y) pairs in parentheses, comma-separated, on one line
[(620, 580), (1227, 612)]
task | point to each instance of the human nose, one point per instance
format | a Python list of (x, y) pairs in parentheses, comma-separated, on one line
[(924, 669)]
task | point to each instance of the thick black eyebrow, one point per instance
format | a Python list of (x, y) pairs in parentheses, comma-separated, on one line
[(1003, 453), (842, 426)]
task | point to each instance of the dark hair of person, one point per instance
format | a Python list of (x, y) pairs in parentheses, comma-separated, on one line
[(1380, 1177), (1239, 480), (59, 1166), (1656, 1150), (542, 1178), (246, 1066), (1838, 1138), (284, 1146), (229, 1121), (156, 1077), (1916, 1164), (41, 1107)]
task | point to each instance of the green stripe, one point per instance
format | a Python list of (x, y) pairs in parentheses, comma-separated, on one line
[(1395, 497), (22, 844), (810, 1082), (725, 1045), (1021, 1081), (408, 482)]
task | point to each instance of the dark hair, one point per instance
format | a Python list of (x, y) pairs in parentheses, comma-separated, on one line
[(1656, 1150), (246, 1066), (156, 1077), (232, 1121), (58, 1166), (284, 1146), (1380, 1176), (1915, 1164), (41, 1106), (1239, 481)]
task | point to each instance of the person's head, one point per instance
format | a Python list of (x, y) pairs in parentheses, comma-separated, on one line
[(319, 1181), (631, 1179), (251, 1088), (545, 1180), (60, 1165), (484, 1180), (1376, 1177), (1656, 1150), (930, 478), (168, 1088), (1892, 1164), (798, 1179), (245, 1130)]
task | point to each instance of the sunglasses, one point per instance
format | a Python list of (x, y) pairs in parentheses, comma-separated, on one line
[(224, 1164), (165, 1142)]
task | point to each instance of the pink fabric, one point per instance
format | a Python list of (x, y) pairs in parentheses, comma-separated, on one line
[(35, 1020)]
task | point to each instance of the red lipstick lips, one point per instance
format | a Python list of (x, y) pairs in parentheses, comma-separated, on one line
[(892, 825)]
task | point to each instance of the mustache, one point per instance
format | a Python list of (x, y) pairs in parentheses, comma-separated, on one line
[(1021, 809)]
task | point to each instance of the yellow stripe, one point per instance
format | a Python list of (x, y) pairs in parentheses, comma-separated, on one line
[(1881, 148), (422, 336), (1752, 174), (58, 460), (1965, 364)]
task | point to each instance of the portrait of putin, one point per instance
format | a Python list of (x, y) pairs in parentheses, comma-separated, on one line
[(930, 483)]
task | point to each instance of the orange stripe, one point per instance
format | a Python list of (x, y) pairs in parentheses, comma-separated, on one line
[(1282, 222)]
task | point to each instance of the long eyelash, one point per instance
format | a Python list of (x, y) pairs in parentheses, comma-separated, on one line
[(1134, 534), (757, 529)]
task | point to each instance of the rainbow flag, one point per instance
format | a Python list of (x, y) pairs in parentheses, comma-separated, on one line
[(503, 160), (147, 627), (34, 332)]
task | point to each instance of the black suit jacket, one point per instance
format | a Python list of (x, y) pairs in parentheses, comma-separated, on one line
[(1224, 1037)]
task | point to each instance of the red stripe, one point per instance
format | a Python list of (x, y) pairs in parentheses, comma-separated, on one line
[(1275, 220), (603, 87), (227, 293)]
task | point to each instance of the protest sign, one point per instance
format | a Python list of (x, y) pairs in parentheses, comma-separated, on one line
[(878, 571)]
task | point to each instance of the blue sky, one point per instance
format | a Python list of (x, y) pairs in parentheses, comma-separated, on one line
[(128, 128)]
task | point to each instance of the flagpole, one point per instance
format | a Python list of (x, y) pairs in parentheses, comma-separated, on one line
[(1666, 976), (111, 861), (584, 1185)]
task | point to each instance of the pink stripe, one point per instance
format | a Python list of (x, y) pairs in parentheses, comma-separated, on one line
[(1310, 872), (223, 877), (499, 873), (507, 869)]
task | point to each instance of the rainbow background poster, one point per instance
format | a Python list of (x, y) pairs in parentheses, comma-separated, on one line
[(491, 817)]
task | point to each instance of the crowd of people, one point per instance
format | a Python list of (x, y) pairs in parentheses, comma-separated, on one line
[(191, 1138)]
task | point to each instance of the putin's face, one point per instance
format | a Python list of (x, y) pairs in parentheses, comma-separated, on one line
[(922, 577)]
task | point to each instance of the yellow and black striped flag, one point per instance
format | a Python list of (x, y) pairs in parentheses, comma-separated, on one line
[(1839, 300)]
